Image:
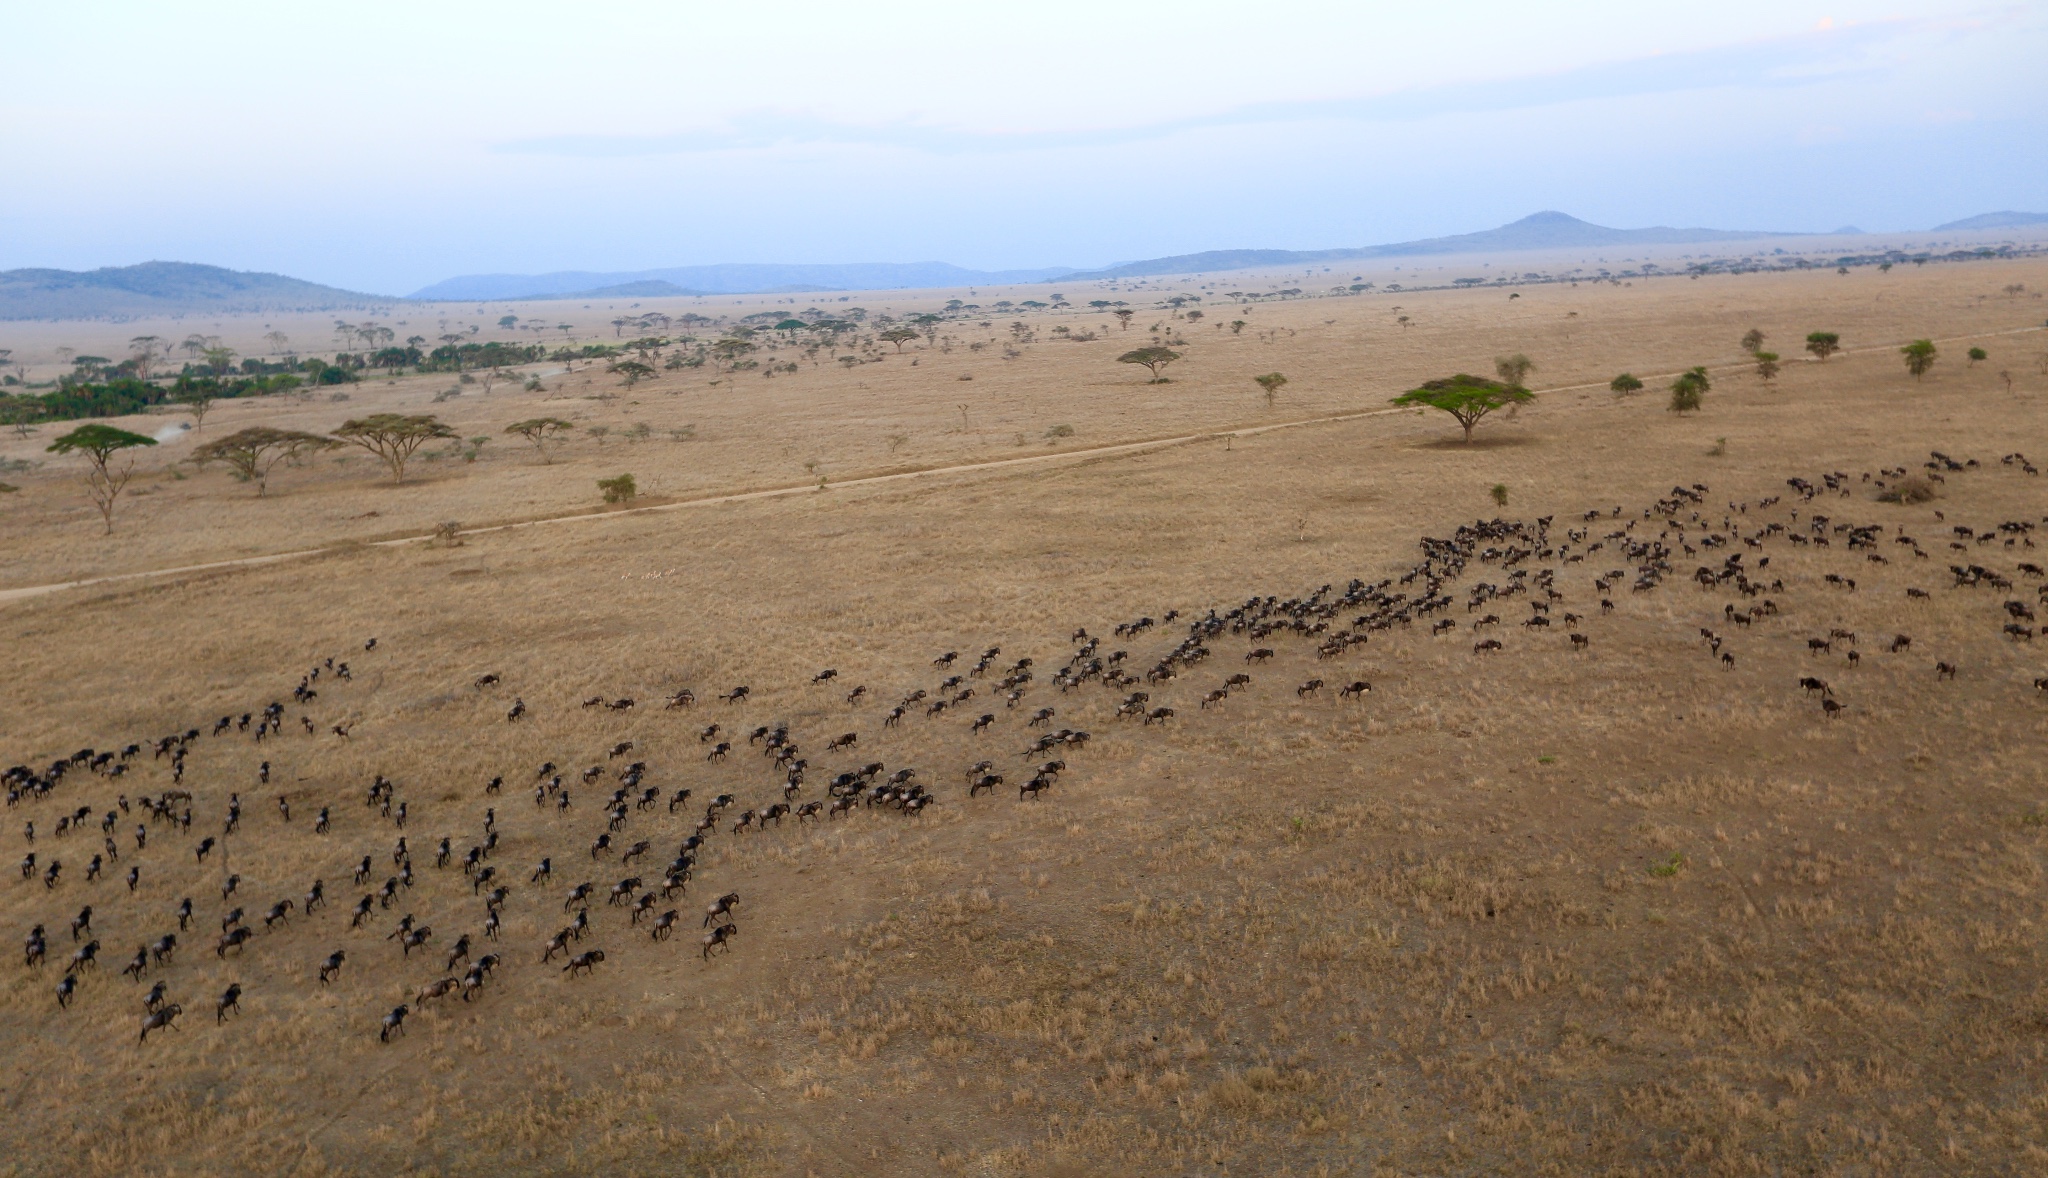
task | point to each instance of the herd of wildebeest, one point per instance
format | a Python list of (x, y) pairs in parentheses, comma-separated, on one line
[(100, 845)]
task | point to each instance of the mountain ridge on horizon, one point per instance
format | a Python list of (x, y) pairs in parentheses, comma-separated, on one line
[(166, 288), (174, 288), (1548, 229)]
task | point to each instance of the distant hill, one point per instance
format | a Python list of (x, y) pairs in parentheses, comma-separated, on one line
[(164, 288), (647, 288), (173, 288), (1546, 230), (731, 278), (2005, 220)]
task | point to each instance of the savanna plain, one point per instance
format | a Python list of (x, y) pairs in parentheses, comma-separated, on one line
[(1598, 887)]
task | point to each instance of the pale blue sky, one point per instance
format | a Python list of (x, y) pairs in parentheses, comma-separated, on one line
[(382, 146)]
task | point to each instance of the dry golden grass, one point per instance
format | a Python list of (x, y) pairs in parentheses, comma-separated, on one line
[(1615, 911)]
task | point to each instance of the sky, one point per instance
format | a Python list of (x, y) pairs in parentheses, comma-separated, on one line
[(382, 146)]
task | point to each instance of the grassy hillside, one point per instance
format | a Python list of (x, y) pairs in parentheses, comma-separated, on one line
[(161, 288)]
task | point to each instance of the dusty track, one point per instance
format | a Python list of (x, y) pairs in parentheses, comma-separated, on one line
[(8, 596)]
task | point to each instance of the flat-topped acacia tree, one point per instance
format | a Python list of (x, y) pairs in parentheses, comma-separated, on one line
[(103, 480), (1467, 398), (631, 371), (1154, 358), (251, 453), (393, 437), (542, 432)]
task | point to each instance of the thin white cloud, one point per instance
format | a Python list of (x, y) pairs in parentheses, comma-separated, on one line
[(1823, 54)]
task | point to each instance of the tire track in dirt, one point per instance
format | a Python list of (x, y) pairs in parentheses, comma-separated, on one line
[(25, 592)]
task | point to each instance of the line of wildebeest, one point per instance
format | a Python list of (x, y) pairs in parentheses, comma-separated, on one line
[(153, 834)]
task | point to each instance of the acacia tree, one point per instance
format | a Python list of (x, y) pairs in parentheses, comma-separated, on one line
[(1766, 365), (1123, 316), (393, 437), (99, 444), (1688, 389), (542, 432), (1753, 341), (1976, 354), (20, 413), (197, 400), (1919, 356), (1626, 383), (145, 350), (1823, 344), (1514, 370), (730, 349), (1271, 383), (633, 370), (252, 452), (1468, 399), (899, 336), (1152, 358)]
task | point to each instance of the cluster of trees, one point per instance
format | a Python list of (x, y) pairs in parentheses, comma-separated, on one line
[(1689, 388), (96, 389), (125, 395), (250, 454)]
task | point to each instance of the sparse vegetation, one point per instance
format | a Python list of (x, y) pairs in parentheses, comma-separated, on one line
[(1823, 344), (1911, 489), (618, 489), (1391, 930), (1625, 384)]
